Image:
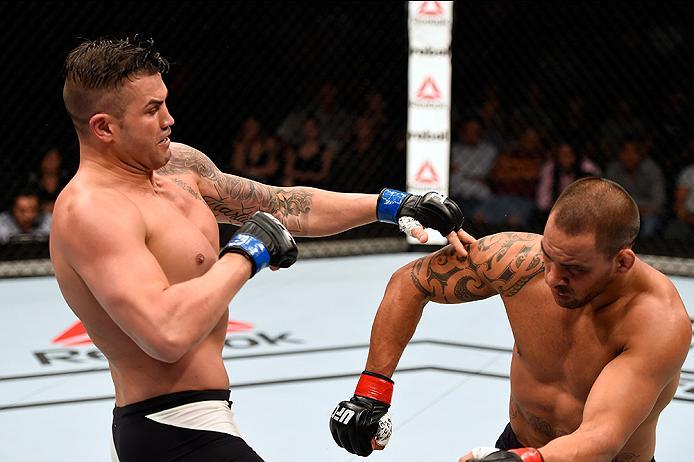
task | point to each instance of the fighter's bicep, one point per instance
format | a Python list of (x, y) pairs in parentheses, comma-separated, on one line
[(445, 277), (109, 253), (508, 261), (621, 398), (628, 387)]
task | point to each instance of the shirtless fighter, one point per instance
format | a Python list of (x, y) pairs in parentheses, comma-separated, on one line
[(135, 247), (600, 336)]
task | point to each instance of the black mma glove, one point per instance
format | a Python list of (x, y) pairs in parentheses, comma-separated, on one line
[(512, 455), (432, 210), (353, 423), (264, 241)]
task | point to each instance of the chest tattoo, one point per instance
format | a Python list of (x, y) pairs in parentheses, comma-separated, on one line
[(186, 187)]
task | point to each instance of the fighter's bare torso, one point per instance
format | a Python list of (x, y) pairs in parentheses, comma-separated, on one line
[(559, 353), (181, 232)]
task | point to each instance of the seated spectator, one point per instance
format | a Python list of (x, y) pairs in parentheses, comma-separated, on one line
[(493, 129), (49, 180), (682, 227), (332, 121), (374, 112), (364, 164), (574, 124), (556, 174), (514, 180), (309, 163), (472, 159), (531, 112), (641, 177), (255, 155), (673, 131), (25, 220), (623, 123)]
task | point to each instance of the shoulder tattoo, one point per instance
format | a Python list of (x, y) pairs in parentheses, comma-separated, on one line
[(501, 263), (234, 199), (508, 261)]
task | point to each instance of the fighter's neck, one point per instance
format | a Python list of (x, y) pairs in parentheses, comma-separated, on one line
[(112, 168), (621, 287)]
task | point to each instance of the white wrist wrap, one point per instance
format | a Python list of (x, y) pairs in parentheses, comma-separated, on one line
[(407, 224)]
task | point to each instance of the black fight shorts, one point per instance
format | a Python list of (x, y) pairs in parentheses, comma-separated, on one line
[(508, 440), (184, 426)]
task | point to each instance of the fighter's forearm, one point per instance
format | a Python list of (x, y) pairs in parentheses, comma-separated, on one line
[(395, 323), (191, 309), (329, 212), (582, 446)]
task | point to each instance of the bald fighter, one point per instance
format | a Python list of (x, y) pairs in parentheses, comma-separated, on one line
[(135, 247), (600, 336)]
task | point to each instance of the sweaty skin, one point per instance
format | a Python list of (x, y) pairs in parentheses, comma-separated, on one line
[(134, 243), (172, 225), (587, 382)]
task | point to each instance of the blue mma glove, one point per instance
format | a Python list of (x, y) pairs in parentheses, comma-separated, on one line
[(264, 241), (433, 210)]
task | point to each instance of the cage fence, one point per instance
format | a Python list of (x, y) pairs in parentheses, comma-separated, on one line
[(315, 94)]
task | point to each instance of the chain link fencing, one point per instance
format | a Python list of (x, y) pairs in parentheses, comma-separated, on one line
[(296, 93)]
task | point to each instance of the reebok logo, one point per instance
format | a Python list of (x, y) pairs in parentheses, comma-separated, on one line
[(426, 174), (428, 90), (76, 334), (430, 9)]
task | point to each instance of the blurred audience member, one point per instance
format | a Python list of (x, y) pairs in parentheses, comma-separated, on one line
[(309, 162), (531, 113), (641, 177), (49, 179), (574, 125), (514, 180), (682, 227), (25, 220), (622, 124), (333, 122), (561, 170), (489, 113), (374, 112), (672, 131), (472, 159), (255, 155), (363, 163)]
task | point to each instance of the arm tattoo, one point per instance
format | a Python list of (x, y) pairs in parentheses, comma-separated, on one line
[(446, 278), (520, 283), (514, 275), (234, 199), (502, 263)]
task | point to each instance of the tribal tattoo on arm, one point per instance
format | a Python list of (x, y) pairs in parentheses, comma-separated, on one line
[(234, 199), (498, 264)]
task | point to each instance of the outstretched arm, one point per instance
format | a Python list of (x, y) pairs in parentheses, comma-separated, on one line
[(494, 264), (501, 263), (304, 211)]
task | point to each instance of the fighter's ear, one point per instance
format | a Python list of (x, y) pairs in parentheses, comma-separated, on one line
[(625, 259), (100, 125)]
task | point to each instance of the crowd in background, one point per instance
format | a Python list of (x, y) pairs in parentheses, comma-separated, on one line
[(509, 163)]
